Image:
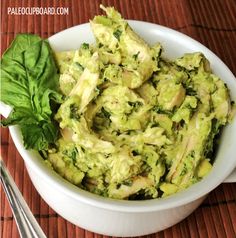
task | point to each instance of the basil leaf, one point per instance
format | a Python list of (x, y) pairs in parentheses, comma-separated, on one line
[(29, 84)]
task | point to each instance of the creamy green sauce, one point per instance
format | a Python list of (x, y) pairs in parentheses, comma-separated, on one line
[(134, 125)]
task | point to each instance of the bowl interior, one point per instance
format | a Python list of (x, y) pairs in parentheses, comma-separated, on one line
[(175, 44)]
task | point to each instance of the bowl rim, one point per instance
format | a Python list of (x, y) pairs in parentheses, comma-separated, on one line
[(181, 198)]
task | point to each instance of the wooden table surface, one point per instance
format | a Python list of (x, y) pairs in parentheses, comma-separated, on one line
[(211, 22)]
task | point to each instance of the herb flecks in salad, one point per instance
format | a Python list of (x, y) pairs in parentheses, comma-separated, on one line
[(133, 125)]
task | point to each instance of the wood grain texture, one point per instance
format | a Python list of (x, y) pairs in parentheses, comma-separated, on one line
[(212, 22)]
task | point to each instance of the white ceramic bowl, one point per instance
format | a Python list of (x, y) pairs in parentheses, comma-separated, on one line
[(131, 218)]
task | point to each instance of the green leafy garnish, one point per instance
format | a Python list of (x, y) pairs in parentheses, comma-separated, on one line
[(29, 84)]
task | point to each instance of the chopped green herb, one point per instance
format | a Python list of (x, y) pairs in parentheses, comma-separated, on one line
[(105, 113), (74, 112), (117, 34), (79, 66), (85, 46), (135, 56)]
